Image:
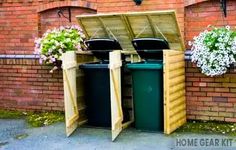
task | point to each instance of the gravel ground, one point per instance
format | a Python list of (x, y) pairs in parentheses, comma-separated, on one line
[(15, 135)]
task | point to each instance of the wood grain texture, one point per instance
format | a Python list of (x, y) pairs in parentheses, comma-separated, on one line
[(126, 26), (70, 94), (115, 90), (174, 90), (74, 90)]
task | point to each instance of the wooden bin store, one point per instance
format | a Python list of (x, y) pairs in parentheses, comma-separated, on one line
[(124, 27)]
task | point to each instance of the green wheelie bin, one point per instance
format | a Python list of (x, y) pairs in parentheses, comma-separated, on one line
[(147, 82)]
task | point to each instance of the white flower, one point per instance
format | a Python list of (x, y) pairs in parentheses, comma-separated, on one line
[(215, 53), (227, 27)]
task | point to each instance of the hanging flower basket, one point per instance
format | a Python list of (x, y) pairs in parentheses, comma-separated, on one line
[(56, 42), (214, 50)]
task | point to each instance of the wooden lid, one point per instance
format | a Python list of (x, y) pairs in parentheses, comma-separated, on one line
[(124, 27)]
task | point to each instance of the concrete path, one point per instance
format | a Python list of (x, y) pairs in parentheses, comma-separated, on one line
[(15, 135)]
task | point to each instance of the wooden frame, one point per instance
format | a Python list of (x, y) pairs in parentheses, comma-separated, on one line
[(74, 93), (70, 94), (124, 27)]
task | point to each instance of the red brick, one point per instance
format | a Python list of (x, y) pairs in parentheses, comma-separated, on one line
[(213, 94), (199, 117), (222, 90), (225, 105), (217, 118), (229, 94), (232, 100), (220, 99), (214, 84), (193, 117), (204, 108), (230, 110), (207, 79), (205, 99), (192, 79), (193, 89), (207, 89), (230, 119), (199, 94), (191, 98), (210, 104), (226, 114)]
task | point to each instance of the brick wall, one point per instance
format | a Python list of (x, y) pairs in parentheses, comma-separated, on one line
[(20, 21), (49, 18), (200, 15), (210, 98), (26, 85), (105, 6)]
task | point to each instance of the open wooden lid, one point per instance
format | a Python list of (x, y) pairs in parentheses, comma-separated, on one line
[(124, 27)]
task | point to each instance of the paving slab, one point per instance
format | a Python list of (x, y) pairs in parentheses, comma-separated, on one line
[(15, 135)]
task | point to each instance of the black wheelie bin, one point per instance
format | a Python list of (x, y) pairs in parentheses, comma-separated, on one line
[(97, 82)]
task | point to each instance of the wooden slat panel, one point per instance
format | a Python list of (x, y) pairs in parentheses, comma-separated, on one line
[(178, 123), (176, 102), (115, 90), (177, 72), (176, 117), (126, 26), (174, 90), (177, 109), (74, 101), (176, 95), (120, 32), (175, 66), (70, 94)]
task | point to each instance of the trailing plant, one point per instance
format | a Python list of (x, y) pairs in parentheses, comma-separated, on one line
[(214, 50), (57, 41)]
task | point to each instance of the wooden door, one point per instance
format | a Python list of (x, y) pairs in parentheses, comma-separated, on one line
[(174, 90), (69, 77), (115, 90)]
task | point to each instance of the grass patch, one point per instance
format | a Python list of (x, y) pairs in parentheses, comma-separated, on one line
[(7, 114), (208, 127), (44, 119), (34, 119)]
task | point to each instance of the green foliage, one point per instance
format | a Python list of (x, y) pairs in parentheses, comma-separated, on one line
[(7, 114), (44, 119), (57, 41), (208, 127), (216, 36), (34, 119)]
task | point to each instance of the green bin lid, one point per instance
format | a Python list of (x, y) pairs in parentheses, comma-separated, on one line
[(144, 66)]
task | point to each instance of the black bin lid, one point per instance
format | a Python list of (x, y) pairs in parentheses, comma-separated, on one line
[(101, 47), (150, 48)]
